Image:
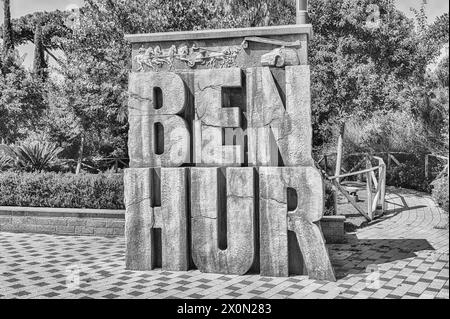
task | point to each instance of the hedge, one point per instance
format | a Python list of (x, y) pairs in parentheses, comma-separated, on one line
[(440, 192), (102, 191)]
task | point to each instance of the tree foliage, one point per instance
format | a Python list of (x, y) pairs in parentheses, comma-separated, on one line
[(366, 58), (54, 26), (359, 65), (7, 33), (40, 63), (21, 101)]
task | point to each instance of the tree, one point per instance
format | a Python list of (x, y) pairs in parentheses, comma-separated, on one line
[(95, 72), (8, 44), (55, 28), (40, 63), (360, 66), (21, 96), (438, 30), (21, 102), (431, 97), (251, 13), (87, 109)]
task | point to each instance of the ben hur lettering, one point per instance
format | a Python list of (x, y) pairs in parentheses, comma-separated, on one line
[(221, 172)]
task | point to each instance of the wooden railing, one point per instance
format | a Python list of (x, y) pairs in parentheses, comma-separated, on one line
[(394, 159), (375, 179), (113, 163)]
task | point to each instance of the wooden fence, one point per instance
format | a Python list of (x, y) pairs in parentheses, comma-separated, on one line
[(375, 182), (375, 177), (427, 165), (111, 163)]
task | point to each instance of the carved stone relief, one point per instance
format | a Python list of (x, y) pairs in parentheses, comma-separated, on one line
[(156, 58)]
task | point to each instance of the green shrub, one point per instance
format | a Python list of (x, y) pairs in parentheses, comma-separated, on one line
[(394, 131), (440, 192), (5, 162), (32, 156), (61, 190), (409, 174)]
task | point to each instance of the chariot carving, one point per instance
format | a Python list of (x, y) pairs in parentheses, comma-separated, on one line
[(155, 58)]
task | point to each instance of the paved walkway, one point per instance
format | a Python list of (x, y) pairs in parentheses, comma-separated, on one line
[(403, 255)]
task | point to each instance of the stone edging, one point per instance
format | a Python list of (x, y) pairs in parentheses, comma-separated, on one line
[(101, 222), (61, 212), (62, 221), (219, 33)]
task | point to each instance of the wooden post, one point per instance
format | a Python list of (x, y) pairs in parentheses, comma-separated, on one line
[(80, 155), (337, 187), (369, 188), (427, 163), (339, 160), (383, 189), (374, 178), (388, 160), (396, 161), (326, 163), (369, 195), (379, 187), (339, 152)]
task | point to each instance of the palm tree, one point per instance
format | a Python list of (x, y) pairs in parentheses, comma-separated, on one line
[(8, 45), (39, 65)]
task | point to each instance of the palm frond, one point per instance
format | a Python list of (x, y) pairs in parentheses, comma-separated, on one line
[(34, 156)]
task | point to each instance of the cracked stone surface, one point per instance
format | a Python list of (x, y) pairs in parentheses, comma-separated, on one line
[(276, 220), (208, 208), (272, 127), (142, 218), (142, 98), (138, 218), (212, 152), (143, 144), (212, 117), (174, 213)]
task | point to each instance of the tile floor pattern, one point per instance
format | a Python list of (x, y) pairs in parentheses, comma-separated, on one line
[(403, 255)]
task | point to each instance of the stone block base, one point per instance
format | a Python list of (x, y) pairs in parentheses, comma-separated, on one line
[(80, 222)]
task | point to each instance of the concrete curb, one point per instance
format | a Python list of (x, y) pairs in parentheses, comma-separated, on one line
[(102, 222)]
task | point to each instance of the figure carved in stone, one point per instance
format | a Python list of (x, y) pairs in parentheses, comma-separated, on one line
[(280, 58), (155, 58)]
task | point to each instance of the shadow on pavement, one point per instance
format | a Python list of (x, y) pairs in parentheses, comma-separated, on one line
[(355, 256)]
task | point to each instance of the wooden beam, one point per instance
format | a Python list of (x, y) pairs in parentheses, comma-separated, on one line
[(350, 199), (339, 152), (377, 197), (372, 173), (383, 188), (369, 194), (354, 173), (394, 159)]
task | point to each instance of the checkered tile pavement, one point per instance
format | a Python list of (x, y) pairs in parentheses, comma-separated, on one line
[(403, 255)]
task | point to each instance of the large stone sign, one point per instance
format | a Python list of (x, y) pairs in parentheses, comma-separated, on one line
[(221, 173)]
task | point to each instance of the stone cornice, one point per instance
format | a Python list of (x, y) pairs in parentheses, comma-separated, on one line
[(220, 33)]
